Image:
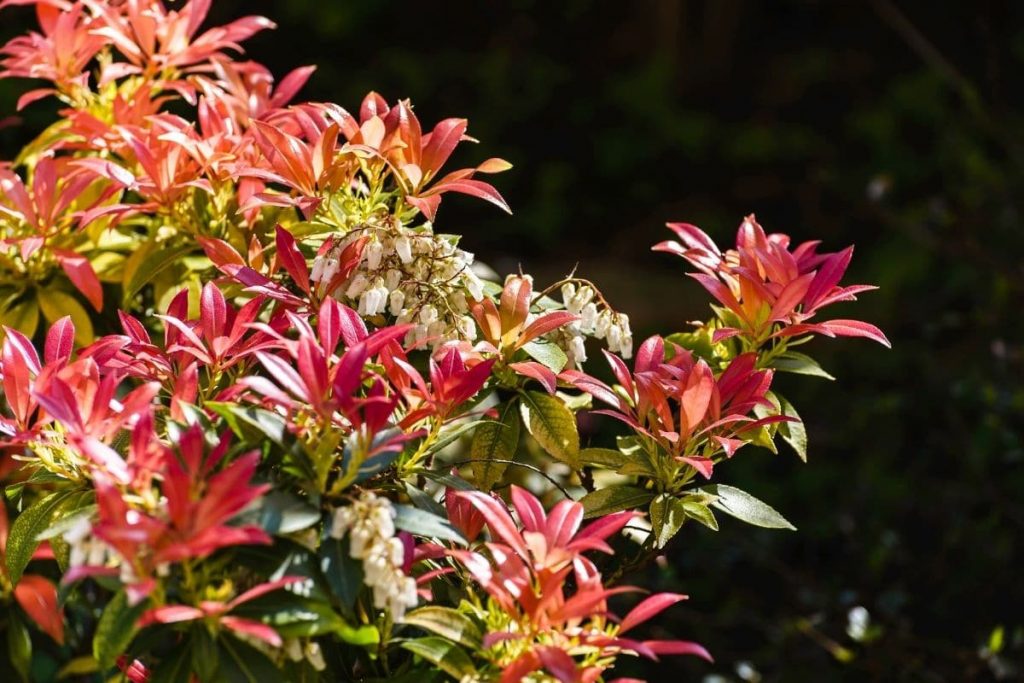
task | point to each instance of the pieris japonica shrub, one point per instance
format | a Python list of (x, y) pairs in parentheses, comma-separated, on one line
[(321, 443)]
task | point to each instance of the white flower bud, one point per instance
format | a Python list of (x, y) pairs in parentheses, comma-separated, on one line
[(374, 252), (393, 279), (568, 293), (474, 286), (604, 321), (315, 656), (428, 314), (396, 302), (588, 316), (404, 249), (614, 338), (578, 350), (357, 286)]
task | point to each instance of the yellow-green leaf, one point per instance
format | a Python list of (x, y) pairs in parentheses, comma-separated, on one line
[(552, 424), (56, 304), (21, 314), (494, 445)]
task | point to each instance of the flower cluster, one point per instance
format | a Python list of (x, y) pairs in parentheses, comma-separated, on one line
[(369, 524), (238, 474), (596, 319), (407, 276)]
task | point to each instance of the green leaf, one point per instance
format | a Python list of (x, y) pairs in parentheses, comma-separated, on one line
[(248, 422), (293, 616), (449, 481), (203, 649), (699, 511), (140, 272), (280, 512), (426, 524), (242, 663), (79, 666), (19, 646), (21, 314), (746, 507), (495, 440), (614, 499), (667, 516), (548, 354), (446, 622), (344, 575), (66, 521), (800, 364), (56, 304), (115, 629), (602, 457), (424, 501), (452, 434), (443, 654), (552, 424), (793, 433), (24, 537), (174, 667), (366, 635)]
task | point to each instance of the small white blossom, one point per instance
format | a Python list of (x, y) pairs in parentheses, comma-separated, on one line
[(369, 524), (356, 287), (373, 253), (404, 249)]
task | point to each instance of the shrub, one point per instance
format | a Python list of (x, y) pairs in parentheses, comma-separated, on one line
[(292, 459)]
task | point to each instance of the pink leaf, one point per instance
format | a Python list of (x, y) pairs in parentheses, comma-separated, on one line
[(678, 647), (82, 276), (539, 372), (60, 341), (289, 256), (856, 328), (648, 608)]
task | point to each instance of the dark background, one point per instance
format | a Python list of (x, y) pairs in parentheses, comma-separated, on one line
[(895, 126)]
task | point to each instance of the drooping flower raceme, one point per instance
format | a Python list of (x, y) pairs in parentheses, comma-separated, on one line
[(368, 522)]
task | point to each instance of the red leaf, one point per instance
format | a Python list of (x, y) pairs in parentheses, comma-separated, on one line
[(474, 188), (648, 608), (221, 253), (60, 341), (170, 614), (541, 373), (213, 312), (82, 276), (38, 597), (856, 328), (252, 628), (544, 324), (498, 520), (559, 664), (289, 256), (678, 647), (702, 465)]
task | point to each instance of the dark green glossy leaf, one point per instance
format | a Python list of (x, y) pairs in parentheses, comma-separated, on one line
[(423, 523), (614, 499)]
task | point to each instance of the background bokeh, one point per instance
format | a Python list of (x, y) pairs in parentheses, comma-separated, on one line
[(895, 126)]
